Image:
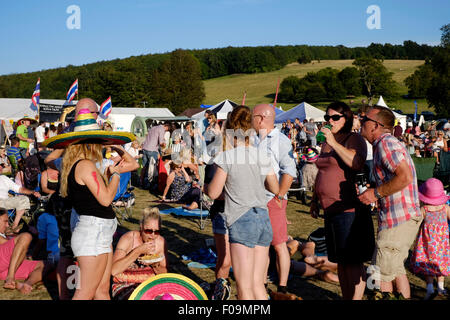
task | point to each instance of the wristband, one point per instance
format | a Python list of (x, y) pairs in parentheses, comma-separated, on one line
[(115, 174)]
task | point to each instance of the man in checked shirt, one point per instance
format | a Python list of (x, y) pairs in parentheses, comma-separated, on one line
[(396, 191)]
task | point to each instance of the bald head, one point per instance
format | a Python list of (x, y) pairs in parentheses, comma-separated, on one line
[(87, 103), (264, 116)]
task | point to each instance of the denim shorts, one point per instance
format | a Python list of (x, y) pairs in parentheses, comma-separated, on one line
[(218, 225), (93, 236), (252, 229)]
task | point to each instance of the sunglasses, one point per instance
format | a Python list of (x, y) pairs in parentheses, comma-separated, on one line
[(334, 117), (365, 118), (151, 231)]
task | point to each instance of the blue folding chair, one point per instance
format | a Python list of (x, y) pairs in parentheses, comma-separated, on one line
[(124, 200)]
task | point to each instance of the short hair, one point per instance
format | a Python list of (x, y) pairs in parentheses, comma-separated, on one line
[(385, 116), (3, 211), (151, 213), (14, 140), (344, 109)]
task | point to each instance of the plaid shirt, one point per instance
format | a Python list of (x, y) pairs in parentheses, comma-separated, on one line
[(401, 206)]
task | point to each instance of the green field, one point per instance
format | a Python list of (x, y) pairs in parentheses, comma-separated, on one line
[(261, 87)]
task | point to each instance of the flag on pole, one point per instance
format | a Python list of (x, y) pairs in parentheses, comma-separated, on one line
[(106, 108), (35, 96), (243, 99), (72, 91), (415, 111), (276, 94)]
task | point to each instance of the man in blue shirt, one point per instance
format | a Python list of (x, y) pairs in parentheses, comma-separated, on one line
[(278, 146)]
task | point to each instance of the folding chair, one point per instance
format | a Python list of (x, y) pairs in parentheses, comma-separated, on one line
[(124, 200)]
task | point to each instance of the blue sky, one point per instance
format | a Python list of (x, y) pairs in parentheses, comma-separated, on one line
[(35, 36)]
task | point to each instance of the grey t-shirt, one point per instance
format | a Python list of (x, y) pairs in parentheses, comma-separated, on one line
[(246, 170), (310, 126)]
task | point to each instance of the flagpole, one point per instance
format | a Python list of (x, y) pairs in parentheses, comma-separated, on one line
[(276, 93), (243, 99)]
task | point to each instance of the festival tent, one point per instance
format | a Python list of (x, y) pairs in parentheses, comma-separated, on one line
[(220, 110), (401, 118), (302, 111)]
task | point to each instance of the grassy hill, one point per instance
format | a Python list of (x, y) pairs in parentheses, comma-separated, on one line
[(261, 87)]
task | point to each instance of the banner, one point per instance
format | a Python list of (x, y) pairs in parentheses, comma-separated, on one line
[(52, 112)]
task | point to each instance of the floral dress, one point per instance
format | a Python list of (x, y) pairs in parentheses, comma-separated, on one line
[(431, 256), (179, 187)]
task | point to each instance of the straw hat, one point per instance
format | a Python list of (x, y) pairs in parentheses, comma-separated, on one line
[(25, 117), (168, 286), (432, 192), (86, 130)]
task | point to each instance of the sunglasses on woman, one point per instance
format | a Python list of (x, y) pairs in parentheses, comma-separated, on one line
[(334, 117), (151, 231)]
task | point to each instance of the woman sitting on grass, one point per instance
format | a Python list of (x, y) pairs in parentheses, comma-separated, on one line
[(129, 269), (179, 187)]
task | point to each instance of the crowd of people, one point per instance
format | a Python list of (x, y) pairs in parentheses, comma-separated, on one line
[(241, 169)]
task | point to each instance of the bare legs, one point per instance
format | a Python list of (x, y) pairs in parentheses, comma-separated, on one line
[(92, 270), (401, 284), (21, 244), (352, 278), (223, 256), (249, 268)]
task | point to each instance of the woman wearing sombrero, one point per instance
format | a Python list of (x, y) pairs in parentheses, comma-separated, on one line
[(91, 195)]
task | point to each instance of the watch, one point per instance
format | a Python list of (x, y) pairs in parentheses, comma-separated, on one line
[(279, 197), (377, 194)]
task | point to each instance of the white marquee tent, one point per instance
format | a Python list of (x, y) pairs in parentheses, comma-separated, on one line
[(221, 110), (302, 111)]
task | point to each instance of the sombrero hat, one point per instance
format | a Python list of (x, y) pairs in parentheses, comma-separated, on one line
[(168, 286), (311, 156), (86, 130)]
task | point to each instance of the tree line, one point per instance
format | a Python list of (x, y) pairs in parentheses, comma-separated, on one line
[(173, 79)]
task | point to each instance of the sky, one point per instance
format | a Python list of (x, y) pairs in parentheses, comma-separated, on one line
[(35, 34)]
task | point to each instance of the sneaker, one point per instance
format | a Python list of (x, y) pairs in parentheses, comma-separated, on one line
[(222, 290)]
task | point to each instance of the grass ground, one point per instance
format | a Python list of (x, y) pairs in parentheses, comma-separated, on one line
[(185, 236), (261, 87)]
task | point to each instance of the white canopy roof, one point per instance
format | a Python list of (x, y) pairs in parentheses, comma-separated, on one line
[(302, 111), (221, 110), (401, 118)]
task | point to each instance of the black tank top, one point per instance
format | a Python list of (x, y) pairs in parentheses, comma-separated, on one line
[(84, 201)]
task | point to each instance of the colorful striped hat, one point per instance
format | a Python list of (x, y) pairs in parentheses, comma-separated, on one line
[(311, 156), (87, 130), (168, 286)]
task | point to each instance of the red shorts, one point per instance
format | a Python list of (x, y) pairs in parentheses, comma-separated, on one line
[(278, 220), (24, 269)]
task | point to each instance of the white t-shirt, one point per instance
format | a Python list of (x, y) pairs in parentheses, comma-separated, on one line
[(40, 134), (5, 185)]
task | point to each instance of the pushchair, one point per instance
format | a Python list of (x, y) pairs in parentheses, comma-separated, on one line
[(124, 200)]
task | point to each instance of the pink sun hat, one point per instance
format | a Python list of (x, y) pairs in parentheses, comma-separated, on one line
[(432, 192)]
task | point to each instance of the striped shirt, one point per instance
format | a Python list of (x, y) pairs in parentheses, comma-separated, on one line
[(13, 151), (401, 206)]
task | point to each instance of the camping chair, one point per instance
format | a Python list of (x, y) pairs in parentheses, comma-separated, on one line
[(424, 168), (442, 172), (124, 200)]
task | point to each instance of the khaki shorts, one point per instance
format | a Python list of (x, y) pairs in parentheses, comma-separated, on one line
[(392, 247), (16, 202)]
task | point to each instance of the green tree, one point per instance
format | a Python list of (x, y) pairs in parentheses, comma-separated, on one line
[(375, 78), (178, 84), (349, 78), (419, 82)]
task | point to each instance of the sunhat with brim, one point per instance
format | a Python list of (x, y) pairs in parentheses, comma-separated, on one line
[(32, 120), (168, 286), (432, 192), (86, 130)]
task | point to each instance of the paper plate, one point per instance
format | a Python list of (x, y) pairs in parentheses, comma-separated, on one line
[(150, 261)]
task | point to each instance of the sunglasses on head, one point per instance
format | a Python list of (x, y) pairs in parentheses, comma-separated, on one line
[(366, 118), (150, 231), (334, 117)]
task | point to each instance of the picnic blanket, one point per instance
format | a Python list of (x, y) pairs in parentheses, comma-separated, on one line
[(179, 211), (202, 258)]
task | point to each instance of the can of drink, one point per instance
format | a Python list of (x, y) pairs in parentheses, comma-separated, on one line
[(361, 182), (320, 137)]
